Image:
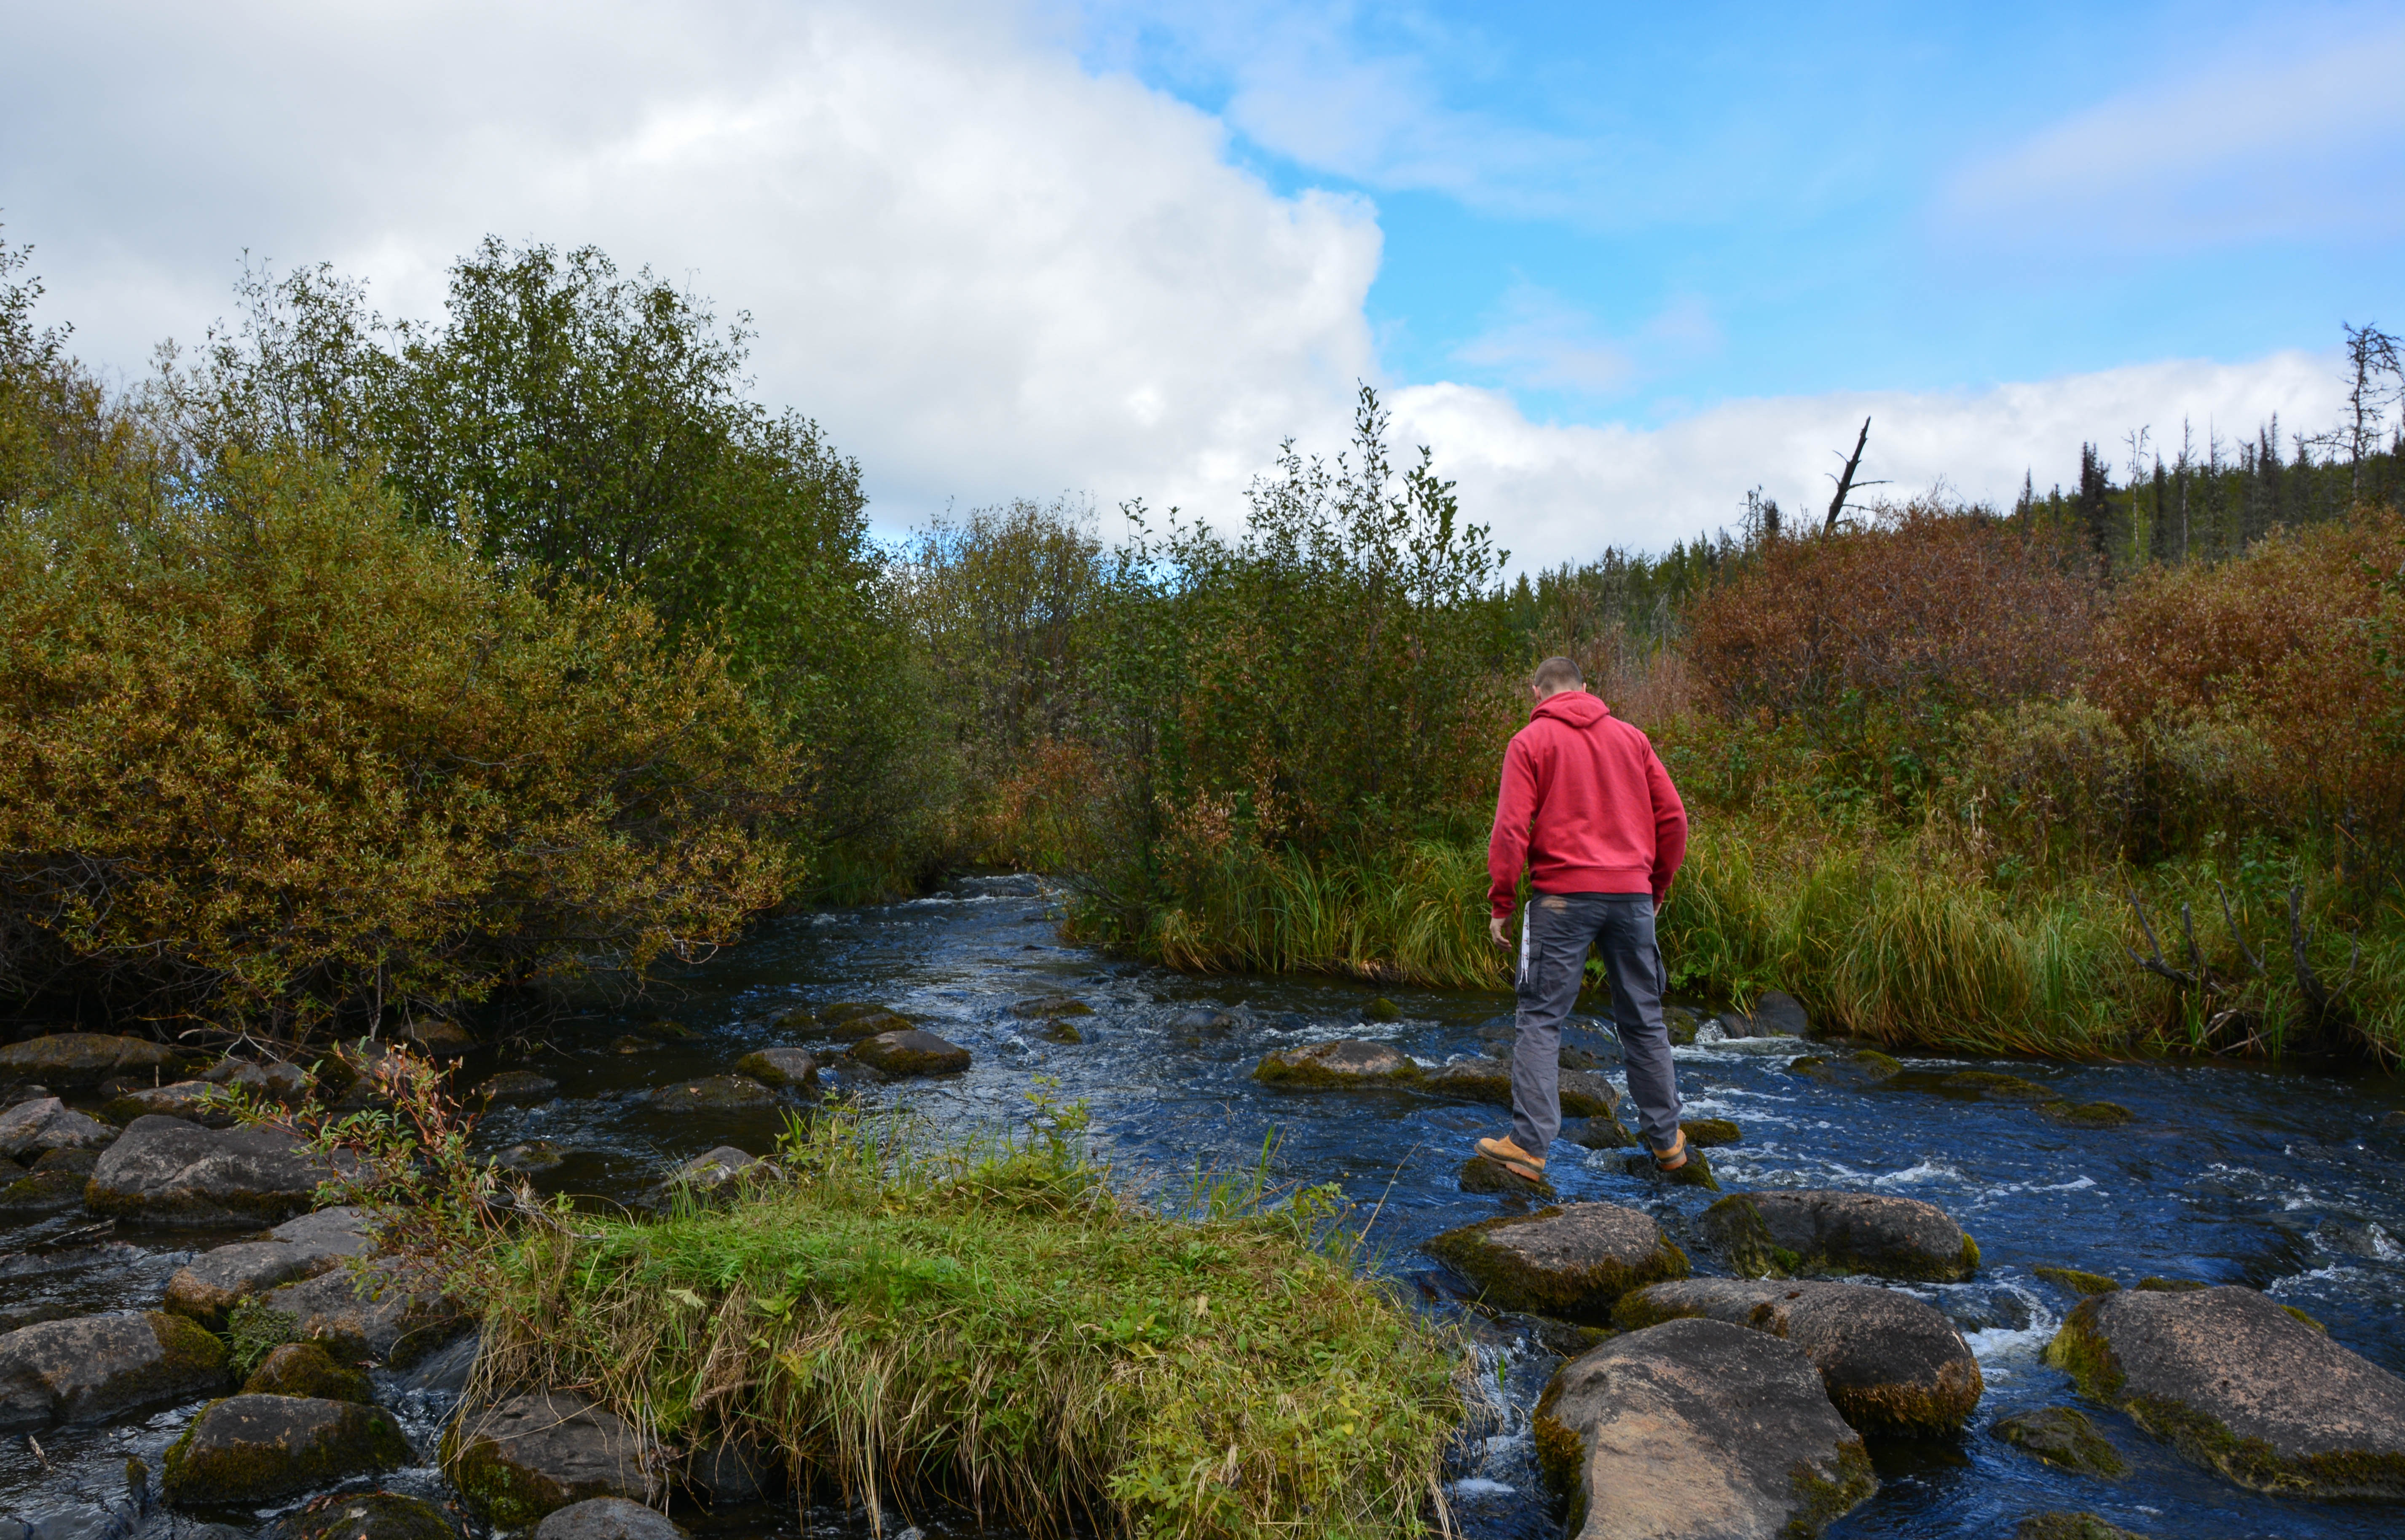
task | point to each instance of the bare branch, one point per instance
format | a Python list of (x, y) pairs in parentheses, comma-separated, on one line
[(1845, 482)]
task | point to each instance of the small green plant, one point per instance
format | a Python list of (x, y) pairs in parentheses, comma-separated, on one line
[(254, 1329)]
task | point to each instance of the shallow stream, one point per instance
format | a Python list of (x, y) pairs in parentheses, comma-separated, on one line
[(2283, 1181)]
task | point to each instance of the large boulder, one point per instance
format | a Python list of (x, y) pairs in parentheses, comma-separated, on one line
[(608, 1519), (32, 1129), (87, 1058), (369, 1516), (393, 1317), (531, 1455), (789, 1069), (1347, 1063), (1891, 1363), (213, 1282), (1573, 1262), (713, 1094), (901, 1054), (1583, 1093), (251, 1448), (1698, 1430), (167, 1171), (1794, 1235), (96, 1367), (2237, 1383)]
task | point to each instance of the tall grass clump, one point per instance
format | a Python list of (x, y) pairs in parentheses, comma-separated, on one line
[(993, 1328)]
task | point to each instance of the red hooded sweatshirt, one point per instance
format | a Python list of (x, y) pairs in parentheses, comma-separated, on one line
[(1607, 818)]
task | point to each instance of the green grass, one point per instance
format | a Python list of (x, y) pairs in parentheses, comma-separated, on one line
[(991, 1326)]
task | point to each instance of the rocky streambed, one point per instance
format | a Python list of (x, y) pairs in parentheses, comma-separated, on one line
[(1927, 1296)]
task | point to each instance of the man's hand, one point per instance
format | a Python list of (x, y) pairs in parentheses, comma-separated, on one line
[(1496, 927)]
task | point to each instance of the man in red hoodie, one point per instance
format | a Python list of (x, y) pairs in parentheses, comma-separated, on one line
[(1588, 805)]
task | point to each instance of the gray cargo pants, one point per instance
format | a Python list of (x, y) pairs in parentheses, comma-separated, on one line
[(1554, 935)]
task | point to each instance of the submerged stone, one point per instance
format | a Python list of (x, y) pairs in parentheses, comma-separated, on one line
[(2061, 1524), (1573, 1262), (1800, 1234), (713, 1094), (845, 1021), (1382, 1009), (1891, 1363), (531, 1157), (531, 1455), (2089, 1114), (306, 1368), (788, 1068), (1698, 1430), (1863, 1067), (96, 1367), (1346, 1064), (2239, 1385), (249, 1449), (2061, 1435), (1583, 1093), (1990, 1086), (2076, 1281), (1049, 1007), (87, 1058), (911, 1052)]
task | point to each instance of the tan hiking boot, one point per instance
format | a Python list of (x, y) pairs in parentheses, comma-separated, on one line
[(1513, 1158)]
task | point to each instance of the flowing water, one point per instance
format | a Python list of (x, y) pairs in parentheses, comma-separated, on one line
[(2282, 1180)]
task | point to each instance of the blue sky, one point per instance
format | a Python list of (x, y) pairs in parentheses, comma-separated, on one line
[(1633, 211), (1615, 264)]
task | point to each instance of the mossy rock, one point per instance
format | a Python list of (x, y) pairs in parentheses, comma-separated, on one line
[(1382, 1009), (1696, 1172), (1482, 1175), (2235, 1383), (523, 1086), (532, 1157), (2172, 1285), (2061, 1436), (87, 1058), (1705, 1133), (1345, 1065), (306, 1368), (846, 1021), (787, 1068), (1061, 1031), (2061, 1524), (39, 1193), (1863, 1067), (1681, 1024), (247, 1448), (910, 1053), (713, 1094), (369, 1516), (1836, 1234), (2077, 1282), (1988, 1086), (1572, 1261), (1597, 1133), (531, 1455), (2089, 1114)]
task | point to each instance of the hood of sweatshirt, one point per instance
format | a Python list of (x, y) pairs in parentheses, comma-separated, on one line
[(1575, 708)]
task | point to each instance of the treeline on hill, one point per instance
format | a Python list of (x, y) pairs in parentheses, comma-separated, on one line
[(354, 667)]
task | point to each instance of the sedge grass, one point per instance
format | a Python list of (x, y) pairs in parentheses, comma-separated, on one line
[(991, 1326)]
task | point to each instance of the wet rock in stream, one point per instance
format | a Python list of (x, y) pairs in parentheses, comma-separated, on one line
[(845, 1021), (213, 1282), (1698, 1430), (69, 1059), (1573, 1262), (521, 1086), (194, 1100), (2061, 1436), (1706, 1133), (788, 1068), (1583, 1093), (1774, 1015), (531, 1455), (2089, 1114), (31, 1129), (1346, 1064), (306, 1368), (907, 1054), (1990, 1086), (167, 1171), (98, 1367), (1891, 1364), (2238, 1384), (369, 1516), (2061, 1524), (391, 1314), (271, 1081), (253, 1449), (1863, 1067), (1798, 1234), (713, 1094), (1488, 1177), (54, 1186), (609, 1519)]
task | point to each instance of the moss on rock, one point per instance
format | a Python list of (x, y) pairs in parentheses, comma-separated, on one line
[(2061, 1524), (1711, 1132), (910, 1052), (1822, 1500), (1482, 1175), (251, 1448), (1990, 1086), (2061, 1436), (2077, 1282), (1572, 1261), (306, 1368), (1347, 1064), (2089, 1114)]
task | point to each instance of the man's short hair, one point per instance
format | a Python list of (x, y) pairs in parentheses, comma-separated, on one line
[(1555, 674)]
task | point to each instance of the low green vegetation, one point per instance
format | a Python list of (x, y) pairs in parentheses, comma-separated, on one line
[(995, 1329)]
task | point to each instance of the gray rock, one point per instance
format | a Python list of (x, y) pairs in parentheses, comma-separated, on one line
[(164, 1170), (2061, 1435), (213, 1282), (96, 1367), (1774, 1015), (271, 1081), (713, 1094), (1863, 1067), (2063, 1524), (87, 1058), (2238, 1384), (438, 1038), (32, 1128), (1791, 1235), (1573, 1262), (1890, 1364), (519, 1085), (1583, 1093), (251, 1449), (1698, 1430), (369, 1516), (531, 1455), (445, 1370), (194, 1100), (899, 1054), (1346, 1064), (735, 1471), (845, 1021), (395, 1317), (1482, 1175), (788, 1068), (306, 1368), (532, 1157), (1596, 1133), (714, 1167), (608, 1519), (52, 1188)]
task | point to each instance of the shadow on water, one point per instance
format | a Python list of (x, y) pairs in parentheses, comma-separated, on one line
[(2280, 1180)]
